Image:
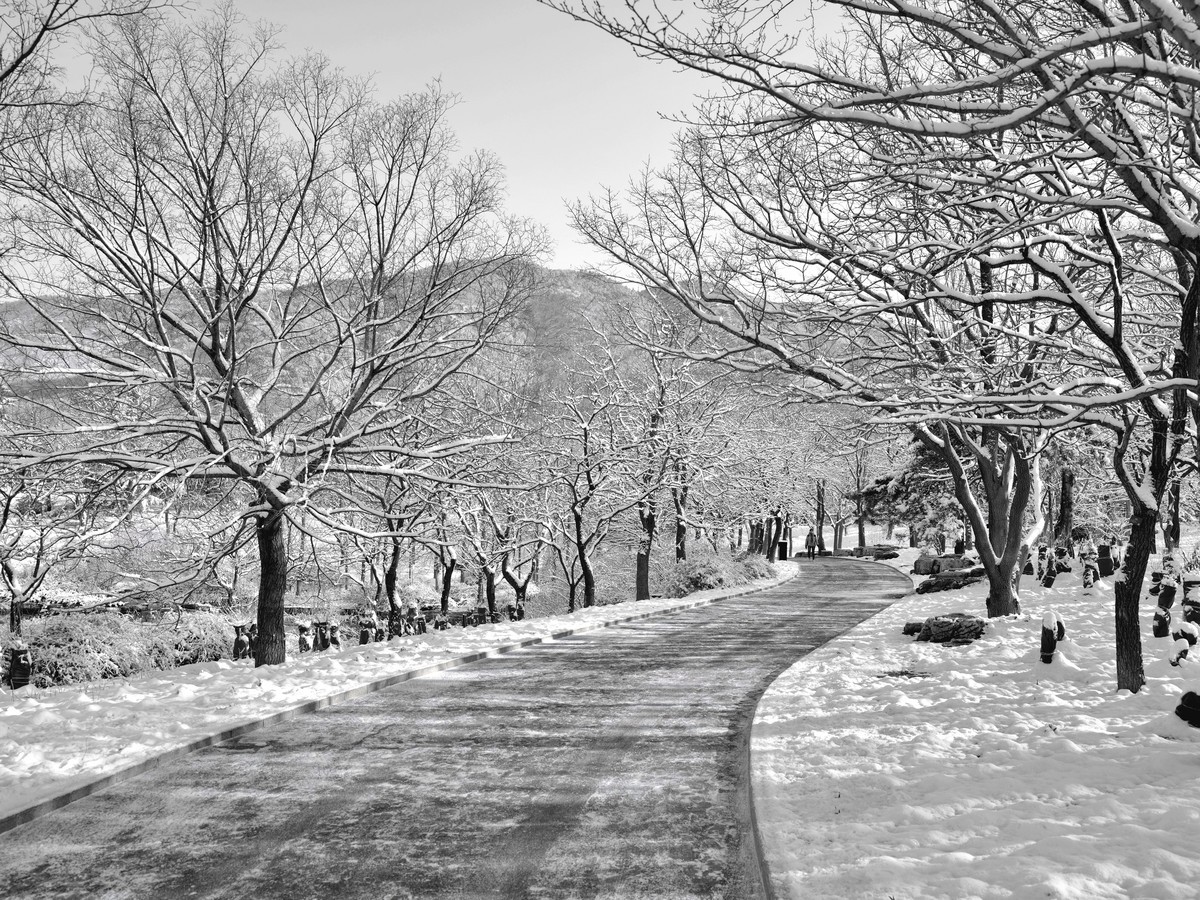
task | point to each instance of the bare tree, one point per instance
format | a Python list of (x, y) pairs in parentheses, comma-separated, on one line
[(261, 271)]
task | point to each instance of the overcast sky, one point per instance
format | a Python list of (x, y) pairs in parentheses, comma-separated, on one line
[(565, 107)]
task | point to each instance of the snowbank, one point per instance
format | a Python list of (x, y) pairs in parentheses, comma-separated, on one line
[(893, 769), (57, 740)]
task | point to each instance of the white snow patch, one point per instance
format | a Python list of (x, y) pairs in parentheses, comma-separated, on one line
[(884, 767)]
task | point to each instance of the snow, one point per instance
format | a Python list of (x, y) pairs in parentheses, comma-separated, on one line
[(884, 767), (55, 740)]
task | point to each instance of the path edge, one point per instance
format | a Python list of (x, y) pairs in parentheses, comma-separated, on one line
[(41, 808), (764, 864)]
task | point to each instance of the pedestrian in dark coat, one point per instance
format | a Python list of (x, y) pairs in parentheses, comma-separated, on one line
[(810, 544)]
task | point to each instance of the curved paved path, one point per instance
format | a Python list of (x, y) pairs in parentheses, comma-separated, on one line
[(609, 764)]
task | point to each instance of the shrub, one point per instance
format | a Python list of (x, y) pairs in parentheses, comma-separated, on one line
[(709, 572), (754, 566), (70, 649), (199, 637), (694, 575)]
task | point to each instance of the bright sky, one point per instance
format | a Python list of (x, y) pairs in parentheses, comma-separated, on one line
[(565, 107)]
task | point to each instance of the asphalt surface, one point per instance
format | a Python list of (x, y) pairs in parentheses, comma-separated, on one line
[(608, 764)]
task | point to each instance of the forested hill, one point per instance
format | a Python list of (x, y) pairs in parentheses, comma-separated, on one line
[(558, 326), (552, 329), (557, 316)]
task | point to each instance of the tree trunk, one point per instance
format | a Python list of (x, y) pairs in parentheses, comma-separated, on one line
[(271, 648), (679, 496), (14, 612), (821, 516), (642, 574), (1171, 536), (649, 522), (1066, 511), (489, 591), (585, 565), (395, 614), (520, 586), (770, 537), (1131, 675), (1006, 479), (447, 580), (589, 585)]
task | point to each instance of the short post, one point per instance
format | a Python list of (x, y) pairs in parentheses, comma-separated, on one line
[(1179, 651), (20, 665), (241, 642), (1053, 631), (1162, 615), (1189, 708)]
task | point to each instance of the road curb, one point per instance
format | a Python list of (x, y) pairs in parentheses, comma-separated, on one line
[(764, 864), (42, 807)]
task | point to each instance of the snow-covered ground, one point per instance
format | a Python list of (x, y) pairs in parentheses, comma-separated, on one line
[(888, 768), (55, 740)]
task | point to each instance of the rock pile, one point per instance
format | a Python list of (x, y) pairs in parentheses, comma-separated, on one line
[(950, 628), (948, 581)]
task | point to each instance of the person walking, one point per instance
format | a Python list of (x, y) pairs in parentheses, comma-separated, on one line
[(810, 544)]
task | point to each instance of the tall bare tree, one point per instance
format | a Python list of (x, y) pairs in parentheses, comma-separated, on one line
[(255, 272)]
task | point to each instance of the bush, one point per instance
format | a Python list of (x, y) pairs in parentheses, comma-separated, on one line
[(696, 575), (71, 649), (200, 637), (709, 572), (755, 566)]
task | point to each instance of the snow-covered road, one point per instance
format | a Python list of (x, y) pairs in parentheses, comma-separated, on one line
[(610, 764)]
